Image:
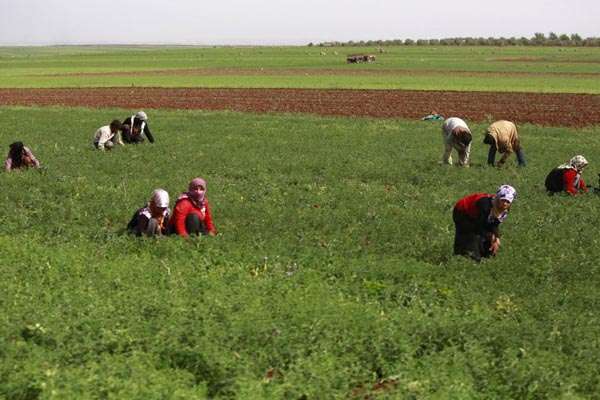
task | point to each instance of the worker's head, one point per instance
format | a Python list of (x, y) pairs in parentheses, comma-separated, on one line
[(197, 190), (15, 148), (505, 195), (463, 137), (115, 126), (159, 202), (578, 162), (141, 116), (15, 152)]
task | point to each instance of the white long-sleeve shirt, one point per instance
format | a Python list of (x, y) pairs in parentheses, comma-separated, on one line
[(103, 135), (451, 124)]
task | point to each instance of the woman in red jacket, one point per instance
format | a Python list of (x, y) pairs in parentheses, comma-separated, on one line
[(477, 218), (191, 215), (567, 177)]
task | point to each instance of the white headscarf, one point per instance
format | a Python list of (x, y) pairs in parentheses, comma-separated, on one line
[(506, 192), (141, 115), (160, 198), (578, 163)]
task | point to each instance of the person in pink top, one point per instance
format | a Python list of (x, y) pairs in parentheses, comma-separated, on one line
[(20, 157), (191, 215)]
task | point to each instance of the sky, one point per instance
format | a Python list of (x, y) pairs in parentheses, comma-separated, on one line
[(286, 22)]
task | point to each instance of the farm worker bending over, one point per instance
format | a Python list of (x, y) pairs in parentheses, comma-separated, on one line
[(106, 136), (457, 135), (477, 218), (153, 218), (567, 177), (192, 211), (135, 127), (502, 136), (20, 157)]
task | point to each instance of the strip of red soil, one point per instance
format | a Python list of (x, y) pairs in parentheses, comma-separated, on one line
[(575, 110)]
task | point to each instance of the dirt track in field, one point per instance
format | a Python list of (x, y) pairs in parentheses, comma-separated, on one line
[(575, 110)]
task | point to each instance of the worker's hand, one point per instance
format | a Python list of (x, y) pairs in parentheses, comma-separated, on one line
[(495, 245), (212, 233)]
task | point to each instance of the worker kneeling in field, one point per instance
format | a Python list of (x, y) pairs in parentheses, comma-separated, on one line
[(136, 127), (191, 215), (153, 218), (107, 136), (502, 136), (456, 134), (477, 218), (567, 177), (20, 157)]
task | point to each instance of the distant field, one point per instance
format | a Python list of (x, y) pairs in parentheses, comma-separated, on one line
[(332, 275), (526, 69)]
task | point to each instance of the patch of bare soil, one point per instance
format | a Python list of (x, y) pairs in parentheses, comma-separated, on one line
[(575, 110)]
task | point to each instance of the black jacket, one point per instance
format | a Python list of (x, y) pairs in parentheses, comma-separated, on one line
[(483, 224), (137, 123)]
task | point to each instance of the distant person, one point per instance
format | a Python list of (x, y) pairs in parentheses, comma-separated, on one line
[(106, 137), (477, 218), (20, 157), (191, 215), (567, 177), (456, 135), (153, 218), (136, 127), (434, 116), (502, 136)]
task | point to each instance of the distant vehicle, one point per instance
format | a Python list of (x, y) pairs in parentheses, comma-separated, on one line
[(360, 58)]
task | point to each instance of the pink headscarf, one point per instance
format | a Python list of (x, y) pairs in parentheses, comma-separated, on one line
[(196, 197)]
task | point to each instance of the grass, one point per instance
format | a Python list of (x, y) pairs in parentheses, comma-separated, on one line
[(333, 270), (437, 81), (557, 70)]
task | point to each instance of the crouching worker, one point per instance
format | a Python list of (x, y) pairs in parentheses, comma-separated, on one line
[(107, 136), (477, 218), (152, 219), (191, 215), (20, 157), (502, 136), (136, 127), (567, 177), (456, 134)]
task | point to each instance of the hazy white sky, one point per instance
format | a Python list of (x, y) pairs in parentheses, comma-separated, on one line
[(25, 22)]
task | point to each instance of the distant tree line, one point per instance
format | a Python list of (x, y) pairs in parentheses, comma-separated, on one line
[(538, 39)]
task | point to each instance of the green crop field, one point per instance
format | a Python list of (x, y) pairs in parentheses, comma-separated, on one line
[(531, 69), (332, 276)]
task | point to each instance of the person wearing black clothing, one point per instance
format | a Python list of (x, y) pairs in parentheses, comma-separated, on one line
[(477, 219), (135, 127), (567, 177), (153, 218)]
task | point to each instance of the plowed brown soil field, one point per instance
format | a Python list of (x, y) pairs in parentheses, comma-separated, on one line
[(575, 110)]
